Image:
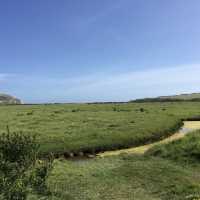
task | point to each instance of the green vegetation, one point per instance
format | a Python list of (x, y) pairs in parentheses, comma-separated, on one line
[(184, 151), (19, 168), (92, 128), (167, 172), (122, 177)]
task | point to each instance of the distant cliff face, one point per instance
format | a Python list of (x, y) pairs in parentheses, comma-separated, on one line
[(7, 99)]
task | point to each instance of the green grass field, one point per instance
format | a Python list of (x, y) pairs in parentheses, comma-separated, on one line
[(90, 128), (160, 174)]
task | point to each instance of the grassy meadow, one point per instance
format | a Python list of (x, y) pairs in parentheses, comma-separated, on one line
[(165, 172), (96, 127)]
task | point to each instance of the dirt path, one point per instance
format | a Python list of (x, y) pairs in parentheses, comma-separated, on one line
[(188, 127)]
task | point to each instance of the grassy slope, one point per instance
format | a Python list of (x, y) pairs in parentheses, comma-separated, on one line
[(184, 151), (73, 127)]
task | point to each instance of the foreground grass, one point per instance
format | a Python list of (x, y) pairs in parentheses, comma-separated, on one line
[(122, 177), (94, 128), (167, 172)]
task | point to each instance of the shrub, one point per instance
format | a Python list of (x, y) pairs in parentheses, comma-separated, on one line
[(141, 109), (18, 157), (30, 113), (75, 110), (115, 109), (39, 176)]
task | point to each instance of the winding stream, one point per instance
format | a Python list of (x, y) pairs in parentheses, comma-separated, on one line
[(188, 127)]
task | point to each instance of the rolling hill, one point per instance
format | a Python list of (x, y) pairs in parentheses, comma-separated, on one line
[(180, 97)]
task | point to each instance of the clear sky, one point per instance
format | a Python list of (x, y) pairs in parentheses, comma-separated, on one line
[(98, 50)]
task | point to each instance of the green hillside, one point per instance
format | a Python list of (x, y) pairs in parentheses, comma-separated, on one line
[(171, 98), (182, 96)]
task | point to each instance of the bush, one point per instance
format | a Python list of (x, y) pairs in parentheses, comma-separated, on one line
[(39, 176), (30, 113), (18, 156), (141, 109), (115, 109), (75, 110)]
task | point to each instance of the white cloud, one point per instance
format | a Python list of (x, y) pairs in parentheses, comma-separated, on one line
[(152, 82), (107, 87)]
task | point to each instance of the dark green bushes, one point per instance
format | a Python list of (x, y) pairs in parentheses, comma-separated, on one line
[(18, 156)]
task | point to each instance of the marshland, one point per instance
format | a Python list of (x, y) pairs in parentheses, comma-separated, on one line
[(111, 135)]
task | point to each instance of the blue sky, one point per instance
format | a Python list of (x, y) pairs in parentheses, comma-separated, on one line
[(98, 50)]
